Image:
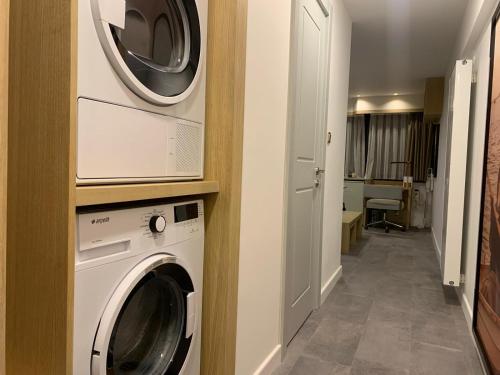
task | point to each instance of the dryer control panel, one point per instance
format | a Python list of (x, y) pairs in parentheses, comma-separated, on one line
[(107, 236)]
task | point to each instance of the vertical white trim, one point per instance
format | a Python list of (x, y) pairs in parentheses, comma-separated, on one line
[(271, 363), (330, 284), (466, 308), (456, 167), (436, 247)]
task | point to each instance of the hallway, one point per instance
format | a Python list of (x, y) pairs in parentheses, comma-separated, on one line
[(387, 315)]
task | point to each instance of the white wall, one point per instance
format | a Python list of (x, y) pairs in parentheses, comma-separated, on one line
[(386, 103), (472, 43), (266, 94), (475, 160), (259, 335), (477, 15), (439, 182), (335, 152)]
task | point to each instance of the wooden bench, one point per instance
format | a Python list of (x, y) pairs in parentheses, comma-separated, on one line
[(352, 225)]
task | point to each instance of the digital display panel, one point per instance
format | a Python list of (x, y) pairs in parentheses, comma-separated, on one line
[(186, 212)]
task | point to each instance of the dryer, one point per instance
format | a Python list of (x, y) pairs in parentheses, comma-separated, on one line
[(138, 290), (141, 90)]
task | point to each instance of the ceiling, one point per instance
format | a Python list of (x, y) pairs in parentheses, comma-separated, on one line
[(396, 44)]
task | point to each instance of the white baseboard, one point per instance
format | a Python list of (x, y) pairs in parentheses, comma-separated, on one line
[(330, 284), (436, 247), (271, 363), (467, 309)]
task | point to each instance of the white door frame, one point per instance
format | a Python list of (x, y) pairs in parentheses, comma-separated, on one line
[(327, 9)]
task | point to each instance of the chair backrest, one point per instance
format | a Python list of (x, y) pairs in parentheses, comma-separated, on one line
[(383, 191)]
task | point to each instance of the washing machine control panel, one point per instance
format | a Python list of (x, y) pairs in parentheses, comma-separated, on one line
[(104, 236), (157, 223)]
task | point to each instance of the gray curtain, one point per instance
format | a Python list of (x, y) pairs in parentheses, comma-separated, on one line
[(419, 147), (387, 144), (355, 154)]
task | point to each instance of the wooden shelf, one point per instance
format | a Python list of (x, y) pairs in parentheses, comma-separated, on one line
[(103, 194)]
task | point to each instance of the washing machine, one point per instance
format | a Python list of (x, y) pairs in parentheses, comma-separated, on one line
[(138, 290), (140, 90)]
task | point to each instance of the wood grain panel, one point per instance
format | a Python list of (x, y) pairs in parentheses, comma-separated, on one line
[(223, 160), (92, 195), (4, 70), (433, 99), (41, 175)]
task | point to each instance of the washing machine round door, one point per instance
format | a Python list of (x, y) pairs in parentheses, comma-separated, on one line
[(148, 324), (155, 46)]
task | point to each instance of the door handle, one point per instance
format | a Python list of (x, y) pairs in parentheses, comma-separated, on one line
[(318, 171)]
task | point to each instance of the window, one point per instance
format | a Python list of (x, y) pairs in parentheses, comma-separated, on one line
[(390, 146)]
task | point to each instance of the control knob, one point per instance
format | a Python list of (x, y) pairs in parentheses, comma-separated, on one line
[(157, 224)]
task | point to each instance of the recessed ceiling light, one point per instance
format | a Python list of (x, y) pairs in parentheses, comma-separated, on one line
[(396, 93), (359, 96)]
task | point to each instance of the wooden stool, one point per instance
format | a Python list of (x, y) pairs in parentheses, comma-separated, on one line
[(352, 225)]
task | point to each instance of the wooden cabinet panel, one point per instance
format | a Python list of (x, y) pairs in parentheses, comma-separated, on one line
[(4, 70), (433, 99), (223, 160), (41, 175)]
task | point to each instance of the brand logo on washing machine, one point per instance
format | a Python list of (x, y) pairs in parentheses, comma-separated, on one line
[(101, 220)]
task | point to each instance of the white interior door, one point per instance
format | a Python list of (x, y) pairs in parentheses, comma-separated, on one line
[(306, 158), (455, 173)]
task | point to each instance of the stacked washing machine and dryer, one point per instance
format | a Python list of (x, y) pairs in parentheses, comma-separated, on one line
[(141, 110), (141, 90)]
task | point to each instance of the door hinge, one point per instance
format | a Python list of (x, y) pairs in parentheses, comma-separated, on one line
[(462, 278)]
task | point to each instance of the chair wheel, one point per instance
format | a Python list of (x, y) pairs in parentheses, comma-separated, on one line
[(386, 229)]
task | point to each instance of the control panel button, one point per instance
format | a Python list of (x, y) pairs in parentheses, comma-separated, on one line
[(157, 224)]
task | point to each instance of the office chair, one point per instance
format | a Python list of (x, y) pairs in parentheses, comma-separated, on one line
[(383, 198)]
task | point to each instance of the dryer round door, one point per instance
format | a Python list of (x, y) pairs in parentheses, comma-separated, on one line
[(155, 46), (149, 322)]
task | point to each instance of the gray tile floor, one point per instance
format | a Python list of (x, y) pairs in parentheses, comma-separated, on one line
[(387, 315)]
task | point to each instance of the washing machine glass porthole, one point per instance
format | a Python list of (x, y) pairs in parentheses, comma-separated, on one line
[(161, 44), (149, 328)]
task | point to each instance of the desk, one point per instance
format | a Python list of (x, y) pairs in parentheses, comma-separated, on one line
[(404, 216)]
